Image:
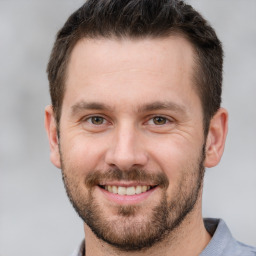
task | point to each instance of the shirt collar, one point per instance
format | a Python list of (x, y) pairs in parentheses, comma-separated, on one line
[(80, 251), (221, 237)]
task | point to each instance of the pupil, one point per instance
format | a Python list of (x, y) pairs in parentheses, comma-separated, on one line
[(97, 120), (159, 120)]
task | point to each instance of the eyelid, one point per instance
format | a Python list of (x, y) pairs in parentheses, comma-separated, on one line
[(168, 119), (88, 117), (97, 117)]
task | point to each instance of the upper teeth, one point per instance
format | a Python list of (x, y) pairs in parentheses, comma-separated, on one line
[(127, 190)]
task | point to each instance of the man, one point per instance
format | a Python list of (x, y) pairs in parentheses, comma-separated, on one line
[(135, 119)]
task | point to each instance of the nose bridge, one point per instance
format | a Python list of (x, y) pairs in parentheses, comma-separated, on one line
[(125, 150)]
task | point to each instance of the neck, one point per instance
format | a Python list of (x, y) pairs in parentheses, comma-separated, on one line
[(189, 239)]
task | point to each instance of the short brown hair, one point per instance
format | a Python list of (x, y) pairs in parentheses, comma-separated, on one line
[(140, 19)]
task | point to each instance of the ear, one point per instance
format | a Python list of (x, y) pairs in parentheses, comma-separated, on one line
[(216, 138), (51, 129)]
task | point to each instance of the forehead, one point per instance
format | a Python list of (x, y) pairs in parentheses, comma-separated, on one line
[(101, 54), (125, 67)]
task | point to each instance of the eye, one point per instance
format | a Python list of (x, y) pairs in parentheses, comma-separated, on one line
[(96, 120), (158, 120)]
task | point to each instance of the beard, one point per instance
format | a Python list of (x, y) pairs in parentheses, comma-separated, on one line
[(134, 227)]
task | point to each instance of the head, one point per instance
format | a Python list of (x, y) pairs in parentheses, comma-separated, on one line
[(137, 20), (135, 117)]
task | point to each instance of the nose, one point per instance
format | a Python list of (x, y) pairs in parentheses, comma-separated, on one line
[(126, 149)]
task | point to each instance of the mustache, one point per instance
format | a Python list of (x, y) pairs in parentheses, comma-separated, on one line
[(96, 177)]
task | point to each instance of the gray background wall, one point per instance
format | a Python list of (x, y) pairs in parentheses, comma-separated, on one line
[(35, 215)]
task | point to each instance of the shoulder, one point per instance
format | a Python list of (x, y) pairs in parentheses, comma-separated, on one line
[(223, 243), (244, 249)]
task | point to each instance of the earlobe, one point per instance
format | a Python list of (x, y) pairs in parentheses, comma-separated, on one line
[(216, 138), (51, 129)]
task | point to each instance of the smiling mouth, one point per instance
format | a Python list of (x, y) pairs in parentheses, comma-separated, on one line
[(127, 191)]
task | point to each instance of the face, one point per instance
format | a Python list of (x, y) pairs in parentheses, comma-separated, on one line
[(131, 138)]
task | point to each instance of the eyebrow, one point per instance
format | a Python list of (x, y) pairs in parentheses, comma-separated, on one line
[(166, 105), (83, 105), (158, 105)]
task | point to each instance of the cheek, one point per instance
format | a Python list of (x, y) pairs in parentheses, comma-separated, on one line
[(179, 160), (173, 155), (82, 154)]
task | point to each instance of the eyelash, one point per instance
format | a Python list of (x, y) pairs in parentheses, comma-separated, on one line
[(151, 119), (104, 120), (163, 118)]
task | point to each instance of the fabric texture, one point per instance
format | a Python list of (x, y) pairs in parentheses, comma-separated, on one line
[(221, 244)]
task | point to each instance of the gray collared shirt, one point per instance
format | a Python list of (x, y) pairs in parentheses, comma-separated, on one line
[(221, 244)]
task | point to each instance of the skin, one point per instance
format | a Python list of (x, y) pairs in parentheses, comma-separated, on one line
[(128, 86)]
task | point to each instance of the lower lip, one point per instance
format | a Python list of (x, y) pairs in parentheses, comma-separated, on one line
[(125, 199)]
